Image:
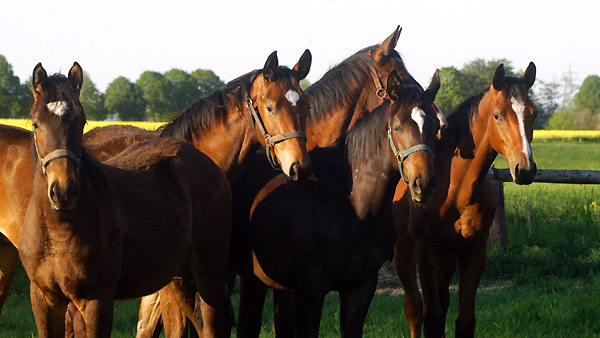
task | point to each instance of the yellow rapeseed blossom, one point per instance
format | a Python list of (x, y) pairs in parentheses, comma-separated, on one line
[(26, 124), (566, 134)]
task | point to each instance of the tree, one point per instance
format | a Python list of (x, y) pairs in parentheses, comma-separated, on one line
[(588, 96), (480, 73), (454, 89), (155, 89), (92, 100), (207, 81), (15, 99), (184, 90), (124, 100), (546, 101)]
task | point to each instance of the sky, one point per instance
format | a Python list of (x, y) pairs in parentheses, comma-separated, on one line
[(113, 38)]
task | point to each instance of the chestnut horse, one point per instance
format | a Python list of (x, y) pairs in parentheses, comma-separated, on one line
[(341, 98), (95, 232), (230, 113), (452, 229), (335, 232)]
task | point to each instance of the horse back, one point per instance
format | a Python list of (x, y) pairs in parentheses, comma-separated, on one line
[(106, 142)]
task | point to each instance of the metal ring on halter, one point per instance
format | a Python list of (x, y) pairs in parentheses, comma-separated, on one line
[(270, 141), (402, 155)]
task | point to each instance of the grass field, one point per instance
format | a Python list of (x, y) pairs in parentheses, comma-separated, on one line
[(547, 284)]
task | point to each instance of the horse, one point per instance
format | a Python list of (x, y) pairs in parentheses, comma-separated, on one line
[(335, 231), (452, 229), (231, 112), (96, 232), (343, 96)]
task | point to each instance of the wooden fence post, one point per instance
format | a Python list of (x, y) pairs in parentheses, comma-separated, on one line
[(498, 232)]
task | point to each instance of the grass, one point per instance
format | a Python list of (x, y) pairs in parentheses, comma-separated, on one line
[(546, 284)]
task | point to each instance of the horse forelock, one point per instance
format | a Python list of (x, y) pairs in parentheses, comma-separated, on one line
[(59, 98)]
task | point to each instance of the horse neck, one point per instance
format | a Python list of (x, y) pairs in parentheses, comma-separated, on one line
[(337, 115), (473, 147), (229, 142), (17, 163)]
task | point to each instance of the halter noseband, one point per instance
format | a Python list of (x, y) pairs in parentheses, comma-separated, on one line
[(402, 155), (54, 155), (270, 141)]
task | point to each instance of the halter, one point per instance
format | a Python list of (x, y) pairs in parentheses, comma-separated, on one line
[(402, 155), (270, 141), (54, 155), (380, 90)]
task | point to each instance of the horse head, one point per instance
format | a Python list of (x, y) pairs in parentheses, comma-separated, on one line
[(412, 130), (279, 109), (511, 118), (58, 120)]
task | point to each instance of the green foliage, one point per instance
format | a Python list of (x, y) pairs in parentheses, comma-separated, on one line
[(569, 117), (546, 101), (15, 99), (454, 89), (155, 89), (125, 100), (92, 100), (479, 73), (588, 96), (184, 90), (207, 81)]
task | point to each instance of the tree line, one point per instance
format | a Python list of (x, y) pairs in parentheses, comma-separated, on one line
[(153, 97), (160, 96)]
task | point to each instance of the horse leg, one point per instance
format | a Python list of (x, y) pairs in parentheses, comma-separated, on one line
[(177, 302), (98, 316), (308, 305), (471, 266), (74, 323), (429, 267), (283, 312), (354, 307), (149, 317), (406, 267), (447, 270), (49, 318), (8, 259), (252, 300)]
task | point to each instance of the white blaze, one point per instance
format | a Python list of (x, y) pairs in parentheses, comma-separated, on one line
[(519, 108), (418, 115), (292, 96), (59, 107)]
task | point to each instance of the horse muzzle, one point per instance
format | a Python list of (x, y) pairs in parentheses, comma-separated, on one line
[(523, 173), (298, 172), (63, 197), (422, 188)]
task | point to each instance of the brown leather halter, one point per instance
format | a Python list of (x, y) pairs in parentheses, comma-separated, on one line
[(270, 141), (379, 88)]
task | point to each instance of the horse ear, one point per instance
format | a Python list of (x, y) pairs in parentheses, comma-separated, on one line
[(271, 67), (394, 85), (434, 86), (76, 76), (387, 46), (39, 76), (529, 75), (499, 77), (302, 68)]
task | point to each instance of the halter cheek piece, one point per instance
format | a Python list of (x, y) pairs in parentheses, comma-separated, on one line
[(402, 155), (380, 89), (54, 155), (270, 141)]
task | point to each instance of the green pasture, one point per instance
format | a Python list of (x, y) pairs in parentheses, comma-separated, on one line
[(546, 284)]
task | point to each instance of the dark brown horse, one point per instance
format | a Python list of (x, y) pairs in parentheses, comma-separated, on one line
[(335, 232), (95, 232), (342, 97), (225, 109), (452, 229)]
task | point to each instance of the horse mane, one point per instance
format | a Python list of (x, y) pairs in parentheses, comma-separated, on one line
[(210, 108)]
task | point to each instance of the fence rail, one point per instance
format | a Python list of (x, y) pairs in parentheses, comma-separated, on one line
[(498, 231)]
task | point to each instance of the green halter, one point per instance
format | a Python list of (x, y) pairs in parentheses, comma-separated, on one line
[(402, 155)]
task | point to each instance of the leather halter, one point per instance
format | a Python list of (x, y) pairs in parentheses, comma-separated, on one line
[(54, 155), (270, 141), (402, 155), (379, 88)]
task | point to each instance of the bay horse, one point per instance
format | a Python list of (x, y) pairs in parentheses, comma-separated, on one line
[(96, 232), (231, 113), (343, 96), (452, 229), (334, 232)]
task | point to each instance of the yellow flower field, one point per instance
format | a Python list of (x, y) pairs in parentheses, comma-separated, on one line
[(566, 134), (26, 124)]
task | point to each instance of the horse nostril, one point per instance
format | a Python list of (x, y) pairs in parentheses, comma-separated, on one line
[(294, 171), (417, 185), (432, 184), (53, 192)]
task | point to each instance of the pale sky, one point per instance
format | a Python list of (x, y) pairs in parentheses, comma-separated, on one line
[(113, 38)]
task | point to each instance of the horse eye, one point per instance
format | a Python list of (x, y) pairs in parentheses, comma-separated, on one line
[(496, 116), (270, 110), (35, 125)]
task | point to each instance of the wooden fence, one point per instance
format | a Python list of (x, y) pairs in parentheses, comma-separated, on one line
[(498, 231)]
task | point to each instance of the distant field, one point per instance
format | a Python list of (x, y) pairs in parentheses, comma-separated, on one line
[(26, 124)]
